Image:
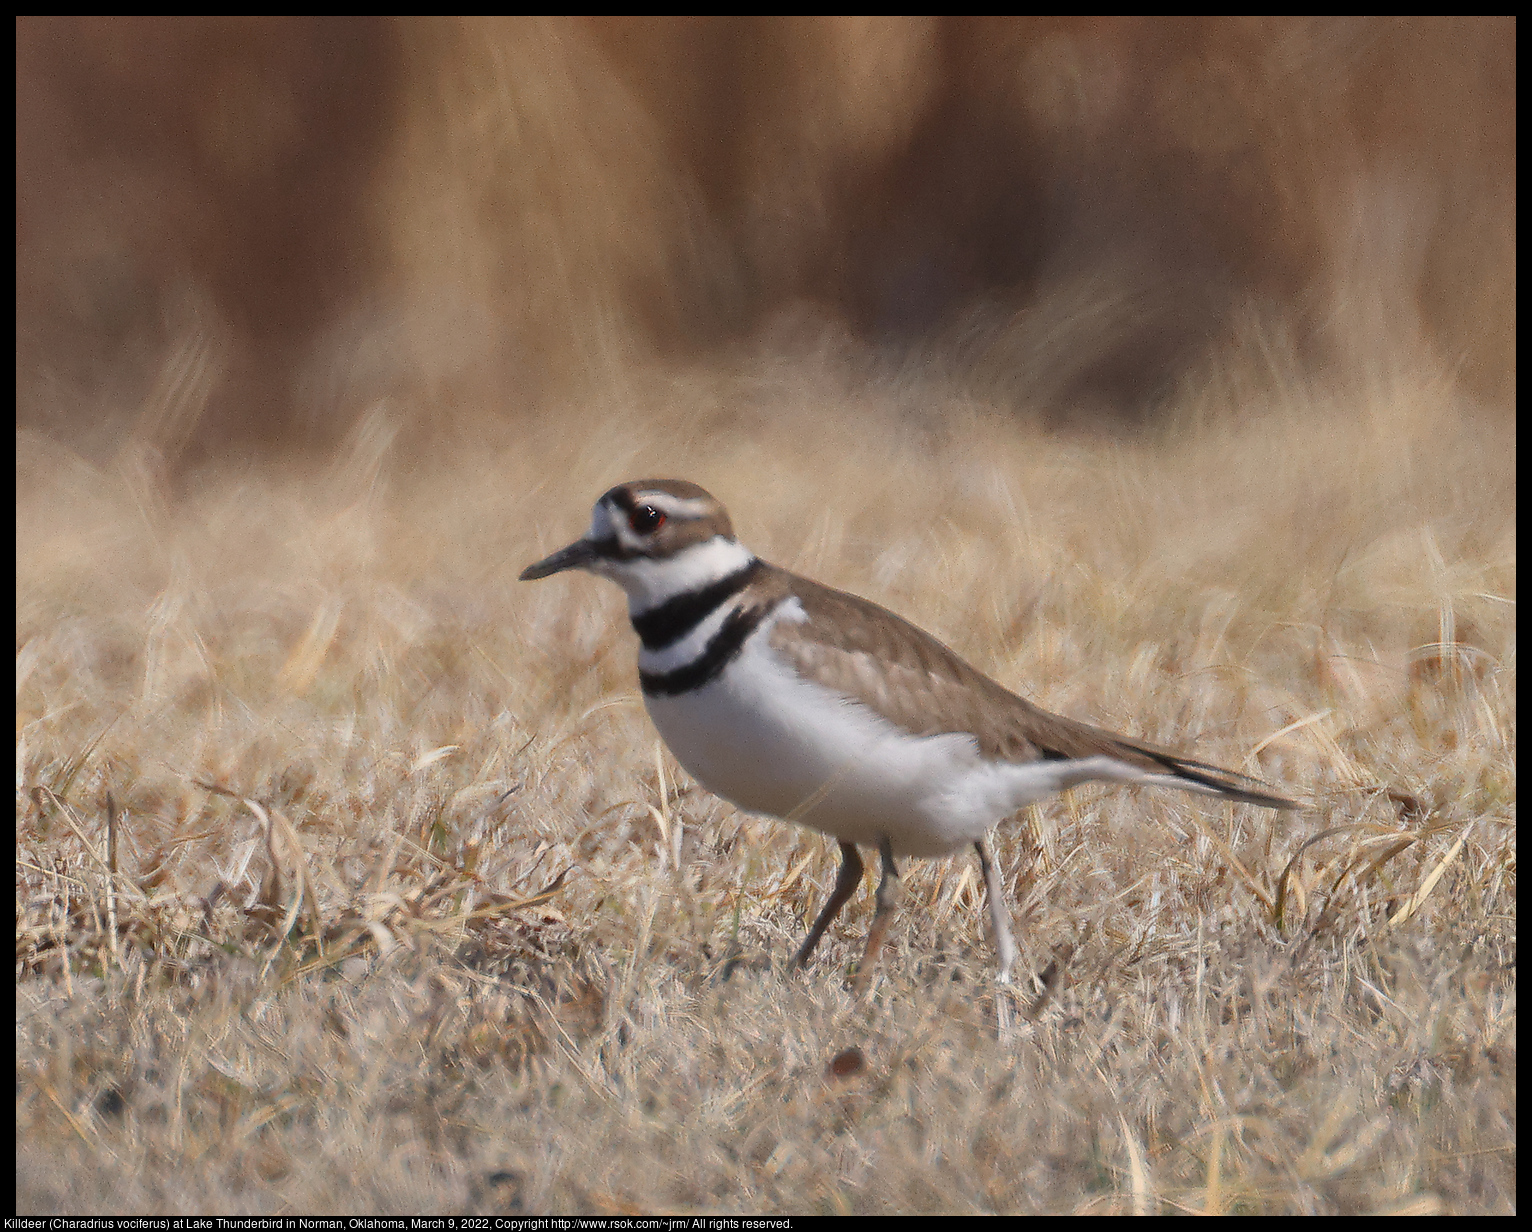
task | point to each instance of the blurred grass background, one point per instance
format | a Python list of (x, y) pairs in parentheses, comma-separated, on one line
[(1164, 368)]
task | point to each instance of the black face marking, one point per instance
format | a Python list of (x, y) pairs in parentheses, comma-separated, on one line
[(668, 622), (720, 651), (613, 549)]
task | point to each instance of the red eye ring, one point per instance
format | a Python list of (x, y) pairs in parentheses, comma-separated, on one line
[(646, 519)]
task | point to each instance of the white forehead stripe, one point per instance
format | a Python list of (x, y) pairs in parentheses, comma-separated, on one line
[(600, 522)]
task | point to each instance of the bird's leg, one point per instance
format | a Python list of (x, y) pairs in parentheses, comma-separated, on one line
[(999, 916), (845, 886), (889, 889), (1005, 943)]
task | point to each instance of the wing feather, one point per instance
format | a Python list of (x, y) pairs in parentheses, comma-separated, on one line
[(852, 646)]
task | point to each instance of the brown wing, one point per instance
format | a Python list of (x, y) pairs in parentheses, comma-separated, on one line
[(861, 650)]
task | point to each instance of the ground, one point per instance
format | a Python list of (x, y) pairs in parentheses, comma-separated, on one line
[(352, 877)]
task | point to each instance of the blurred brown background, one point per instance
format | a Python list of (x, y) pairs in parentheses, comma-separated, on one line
[(235, 234)]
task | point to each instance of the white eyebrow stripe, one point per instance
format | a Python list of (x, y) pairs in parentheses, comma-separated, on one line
[(677, 506)]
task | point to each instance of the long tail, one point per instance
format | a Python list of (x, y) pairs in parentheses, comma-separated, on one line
[(1199, 776), (1123, 761)]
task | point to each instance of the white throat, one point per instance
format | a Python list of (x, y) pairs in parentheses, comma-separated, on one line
[(650, 582)]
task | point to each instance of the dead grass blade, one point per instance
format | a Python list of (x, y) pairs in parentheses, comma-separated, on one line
[(1138, 1171), (1252, 883), (1295, 725), (66, 811), (1289, 872), (269, 903), (1372, 846), (111, 875), (75, 764), (503, 906), (1413, 904)]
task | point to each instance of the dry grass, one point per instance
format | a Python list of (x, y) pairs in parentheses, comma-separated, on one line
[(350, 875)]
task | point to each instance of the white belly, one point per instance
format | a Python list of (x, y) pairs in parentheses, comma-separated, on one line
[(773, 743)]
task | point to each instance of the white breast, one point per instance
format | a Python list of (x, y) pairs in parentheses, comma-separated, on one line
[(772, 742)]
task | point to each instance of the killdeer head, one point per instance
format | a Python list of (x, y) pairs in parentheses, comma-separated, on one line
[(802, 702), (656, 538)]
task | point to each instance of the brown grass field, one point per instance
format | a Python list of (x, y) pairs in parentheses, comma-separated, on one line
[(351, 876)]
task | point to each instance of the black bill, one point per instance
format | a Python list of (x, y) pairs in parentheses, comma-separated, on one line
[(576, 556)]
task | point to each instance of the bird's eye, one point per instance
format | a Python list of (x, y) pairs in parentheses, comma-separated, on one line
[(646, 519)]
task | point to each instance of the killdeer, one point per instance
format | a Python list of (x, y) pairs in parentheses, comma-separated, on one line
[(806, 703)]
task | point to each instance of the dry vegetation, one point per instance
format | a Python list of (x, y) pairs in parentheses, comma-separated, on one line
[(351, 876), (459, 918)]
